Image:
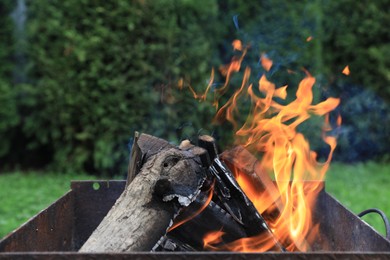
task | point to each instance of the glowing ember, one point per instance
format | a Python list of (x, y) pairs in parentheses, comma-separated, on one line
[(346, 70), (271, 131), (214, 241), (237, 45), (265, 62), (213, 237)]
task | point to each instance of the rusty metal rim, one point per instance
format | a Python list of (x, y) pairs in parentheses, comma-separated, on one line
[(190, 255), (111, 189)]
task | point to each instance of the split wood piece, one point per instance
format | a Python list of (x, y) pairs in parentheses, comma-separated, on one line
[(231, 196), (167, 181), (208, 142), (198, 150), (151, 145), (236, 202), (135, 160), (143, 147), (186, 145), (195, 222), (241, 159)]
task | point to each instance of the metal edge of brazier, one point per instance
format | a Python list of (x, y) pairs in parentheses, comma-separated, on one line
[(80, 209)]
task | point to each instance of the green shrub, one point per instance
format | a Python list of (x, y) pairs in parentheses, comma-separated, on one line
[(101, 70), (7, 41), (9, 117), (357, 35), (365, 131)]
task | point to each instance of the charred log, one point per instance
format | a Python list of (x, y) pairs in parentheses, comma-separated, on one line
[(192, 227), (230, 196), (174, 197), (208, 142), (169, 179), (236, 202)]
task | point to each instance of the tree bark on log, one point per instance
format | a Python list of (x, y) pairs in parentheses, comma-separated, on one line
[(169, 179)]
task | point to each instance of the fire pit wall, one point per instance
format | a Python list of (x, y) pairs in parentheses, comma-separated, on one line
[(67, 223)]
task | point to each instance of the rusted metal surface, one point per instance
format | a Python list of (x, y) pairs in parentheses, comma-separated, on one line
[(341, 230), (93, 200), (50, 230), (197, 256), (68, 222)]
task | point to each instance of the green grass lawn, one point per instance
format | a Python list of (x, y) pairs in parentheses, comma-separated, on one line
[(358, 187), (22, 195), (362, 186)]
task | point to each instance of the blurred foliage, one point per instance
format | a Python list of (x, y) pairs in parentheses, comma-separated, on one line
[(100, 70), (357, 35), (365, 132), (280, 30), (9, 116), (6, 36), (360, 39), (8, 109)]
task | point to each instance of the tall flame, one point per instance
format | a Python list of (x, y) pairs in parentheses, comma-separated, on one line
[(271, 130)]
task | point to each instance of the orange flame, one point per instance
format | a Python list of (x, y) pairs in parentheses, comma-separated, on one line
[(237, 45), (266, 62), (197, 212), (211, 238), (229, 69), (271, 131), (181, 84), (260, 243)]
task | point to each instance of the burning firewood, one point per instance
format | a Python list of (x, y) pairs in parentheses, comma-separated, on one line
[(169, 179), (233, 198), (240, 159), (175, 198), (227, 213)]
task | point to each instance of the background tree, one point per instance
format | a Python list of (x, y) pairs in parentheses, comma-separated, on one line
[(101, 70), (98, 71), (9, 117), (355, 34)]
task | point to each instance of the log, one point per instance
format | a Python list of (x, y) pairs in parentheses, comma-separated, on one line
[(208, 142), (135, 160), (143, 147), (193, 225), (239, 158), (169, 179)]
